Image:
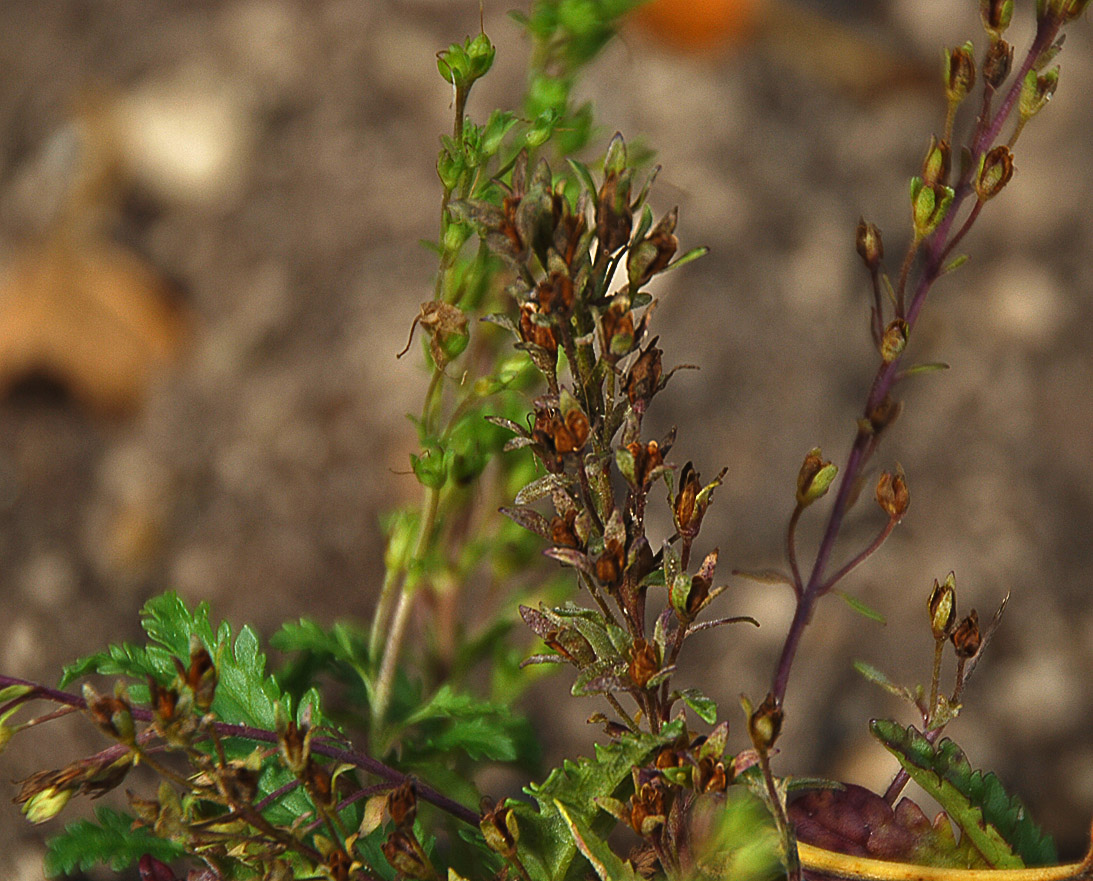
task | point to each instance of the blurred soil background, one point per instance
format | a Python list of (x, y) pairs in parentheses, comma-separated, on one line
[(210, 216)]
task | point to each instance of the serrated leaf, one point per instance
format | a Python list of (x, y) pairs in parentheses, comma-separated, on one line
[(245, 692), (479, 728), (109, 840), (996, 823), (860, 607), (546, 847)]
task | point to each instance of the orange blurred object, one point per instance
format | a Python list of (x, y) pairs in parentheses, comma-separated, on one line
[(699, 25)]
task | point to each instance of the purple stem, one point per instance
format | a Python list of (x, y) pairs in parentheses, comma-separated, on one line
[(935, 250)]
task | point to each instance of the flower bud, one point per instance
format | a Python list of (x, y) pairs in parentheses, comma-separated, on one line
[(45, 805), (995, 171), (997, 64), (942, 607), (966, 638), (815, 477), (869, 244), (893, 495), (959, 72)]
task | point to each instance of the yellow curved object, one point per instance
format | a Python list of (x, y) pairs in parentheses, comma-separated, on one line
[(851, 868)]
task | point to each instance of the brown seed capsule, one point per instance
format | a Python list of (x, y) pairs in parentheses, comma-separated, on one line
[(870, 245), (406, 855), (966, 638), (402, 803), (684, 506), (647, 808), (295, 747), (339, 864), (935, 165), (319, 784), (814, 478), (893, 495), (201, 676), (996, 15), (995, 171), (644, 662), (533, 332), (643, 378), (997, 64), (609, 564), (618, 329), (894, 340), (882, 415), (959, 72), (499, 828), (765, 723), (645, 458)]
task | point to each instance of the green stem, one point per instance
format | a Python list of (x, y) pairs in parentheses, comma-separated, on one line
[(411, 579)]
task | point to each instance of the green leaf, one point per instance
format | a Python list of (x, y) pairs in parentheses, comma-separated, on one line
[(453, 721), (860, 607), (931, 367), (109, 840), (688, 257), (996, 823), (547, 848), (878, 677), (704, 707), (604, 861), (764, 576)]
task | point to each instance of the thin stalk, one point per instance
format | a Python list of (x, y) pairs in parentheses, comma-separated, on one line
[(791, 548), (625, 716), (853, 564), (935, 680)]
